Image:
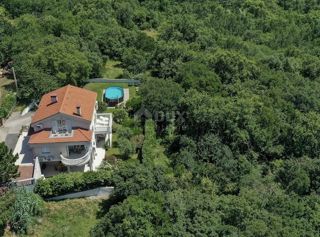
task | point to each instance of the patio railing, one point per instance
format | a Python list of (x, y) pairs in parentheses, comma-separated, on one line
[(103, 123), (78, 161)]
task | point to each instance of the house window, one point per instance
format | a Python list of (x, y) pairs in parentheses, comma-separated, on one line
[(61, 124), (45, 150), (76, 149), (39, 126)]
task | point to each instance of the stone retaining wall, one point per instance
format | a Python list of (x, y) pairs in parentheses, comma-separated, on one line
[(103, 192)]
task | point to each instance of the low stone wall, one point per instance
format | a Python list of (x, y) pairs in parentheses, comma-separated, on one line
[(103, 192)]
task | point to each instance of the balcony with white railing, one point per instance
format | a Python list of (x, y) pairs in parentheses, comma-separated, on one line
[(103, 123), (77, 159), (61, 133)]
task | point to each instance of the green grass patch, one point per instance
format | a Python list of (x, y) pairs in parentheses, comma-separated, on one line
[(6, 85), (69, 218), (151, 33), (110, 110), (112, 69), (132, 91), (114, 150)]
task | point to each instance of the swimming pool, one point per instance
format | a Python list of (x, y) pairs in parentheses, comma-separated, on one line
[(114, 93)]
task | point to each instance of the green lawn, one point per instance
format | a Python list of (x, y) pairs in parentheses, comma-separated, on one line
[(5, 86), (112, 69), (69, 218), (8, 86), (132, 91), (114, 150), (151, 33)]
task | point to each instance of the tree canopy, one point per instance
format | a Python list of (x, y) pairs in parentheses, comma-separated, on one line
[(8, 169), (233, 88)]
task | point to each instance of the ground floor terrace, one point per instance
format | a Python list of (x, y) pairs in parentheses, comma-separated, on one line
[(34, 168), (77, 157)]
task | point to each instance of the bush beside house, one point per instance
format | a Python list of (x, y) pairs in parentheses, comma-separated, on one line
[(72, 182)]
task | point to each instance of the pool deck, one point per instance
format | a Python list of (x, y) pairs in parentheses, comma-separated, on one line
[(125, 95)]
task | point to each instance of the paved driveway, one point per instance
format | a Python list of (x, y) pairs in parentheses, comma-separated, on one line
[(23, 150), (9, 132)]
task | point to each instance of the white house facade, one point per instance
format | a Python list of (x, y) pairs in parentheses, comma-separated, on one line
[(66, 129)]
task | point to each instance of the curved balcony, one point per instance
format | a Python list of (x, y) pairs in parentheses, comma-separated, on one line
[(76, 161)]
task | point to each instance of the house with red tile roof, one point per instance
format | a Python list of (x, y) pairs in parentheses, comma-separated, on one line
[(66, 128)]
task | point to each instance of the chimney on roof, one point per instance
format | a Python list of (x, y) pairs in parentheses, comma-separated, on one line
[(54, 98), (78, 111)]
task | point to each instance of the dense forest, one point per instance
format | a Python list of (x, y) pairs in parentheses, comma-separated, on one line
[(233, 87)]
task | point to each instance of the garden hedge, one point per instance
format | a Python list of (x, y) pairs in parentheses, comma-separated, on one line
[(72, 182)]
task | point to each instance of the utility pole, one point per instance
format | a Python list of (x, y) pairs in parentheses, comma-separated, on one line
[(15, 79)]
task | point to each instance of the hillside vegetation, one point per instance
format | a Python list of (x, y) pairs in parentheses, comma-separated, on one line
[(65, 218), (233, 89)]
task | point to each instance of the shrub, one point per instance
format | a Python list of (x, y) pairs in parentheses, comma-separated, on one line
[(115, 127), (124, 132), (133, 104), (72, 182), (26, 206), (7, 105), (102, 106), (6, 201), (126, 148), (119, 115)]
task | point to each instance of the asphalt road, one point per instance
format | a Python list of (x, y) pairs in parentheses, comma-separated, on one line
[(9, 132)]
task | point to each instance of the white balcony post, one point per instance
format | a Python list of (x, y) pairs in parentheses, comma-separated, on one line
[(37, 169), (91, 161)]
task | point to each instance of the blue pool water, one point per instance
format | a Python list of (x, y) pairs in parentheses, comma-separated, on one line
[(114, 93)]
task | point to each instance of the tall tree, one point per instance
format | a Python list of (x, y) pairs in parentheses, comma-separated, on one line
[(8, 170)]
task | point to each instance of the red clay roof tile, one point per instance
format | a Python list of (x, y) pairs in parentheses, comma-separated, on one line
[(68, 98)]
